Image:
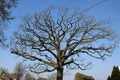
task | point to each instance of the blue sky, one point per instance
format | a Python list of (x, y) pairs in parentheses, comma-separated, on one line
[(107, 10)]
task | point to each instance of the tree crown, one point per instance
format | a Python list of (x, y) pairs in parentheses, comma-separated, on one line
[(56, 40)]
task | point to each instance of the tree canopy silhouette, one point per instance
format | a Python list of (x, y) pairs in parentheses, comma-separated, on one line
[(5, 16), (115, 74), (54, 39)]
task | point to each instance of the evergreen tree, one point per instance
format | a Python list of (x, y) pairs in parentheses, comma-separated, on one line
[(109, 78), (115, 75)]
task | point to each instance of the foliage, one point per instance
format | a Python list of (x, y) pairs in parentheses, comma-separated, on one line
[(53, 42), (108, 78), (115, 75), (79, 76)]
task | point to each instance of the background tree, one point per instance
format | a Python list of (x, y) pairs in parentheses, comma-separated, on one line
[(28, 76), (19, 71), (54, 40), (4, 71), (115, 75), (108, 78), (5, 16), (4, 74)]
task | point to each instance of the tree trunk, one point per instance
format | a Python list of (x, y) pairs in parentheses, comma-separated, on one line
[(60, 74)]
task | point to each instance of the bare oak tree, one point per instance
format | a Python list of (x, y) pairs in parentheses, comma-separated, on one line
[(55, 39)]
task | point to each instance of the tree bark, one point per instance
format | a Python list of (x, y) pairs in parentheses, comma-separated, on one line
[(60, 74)]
